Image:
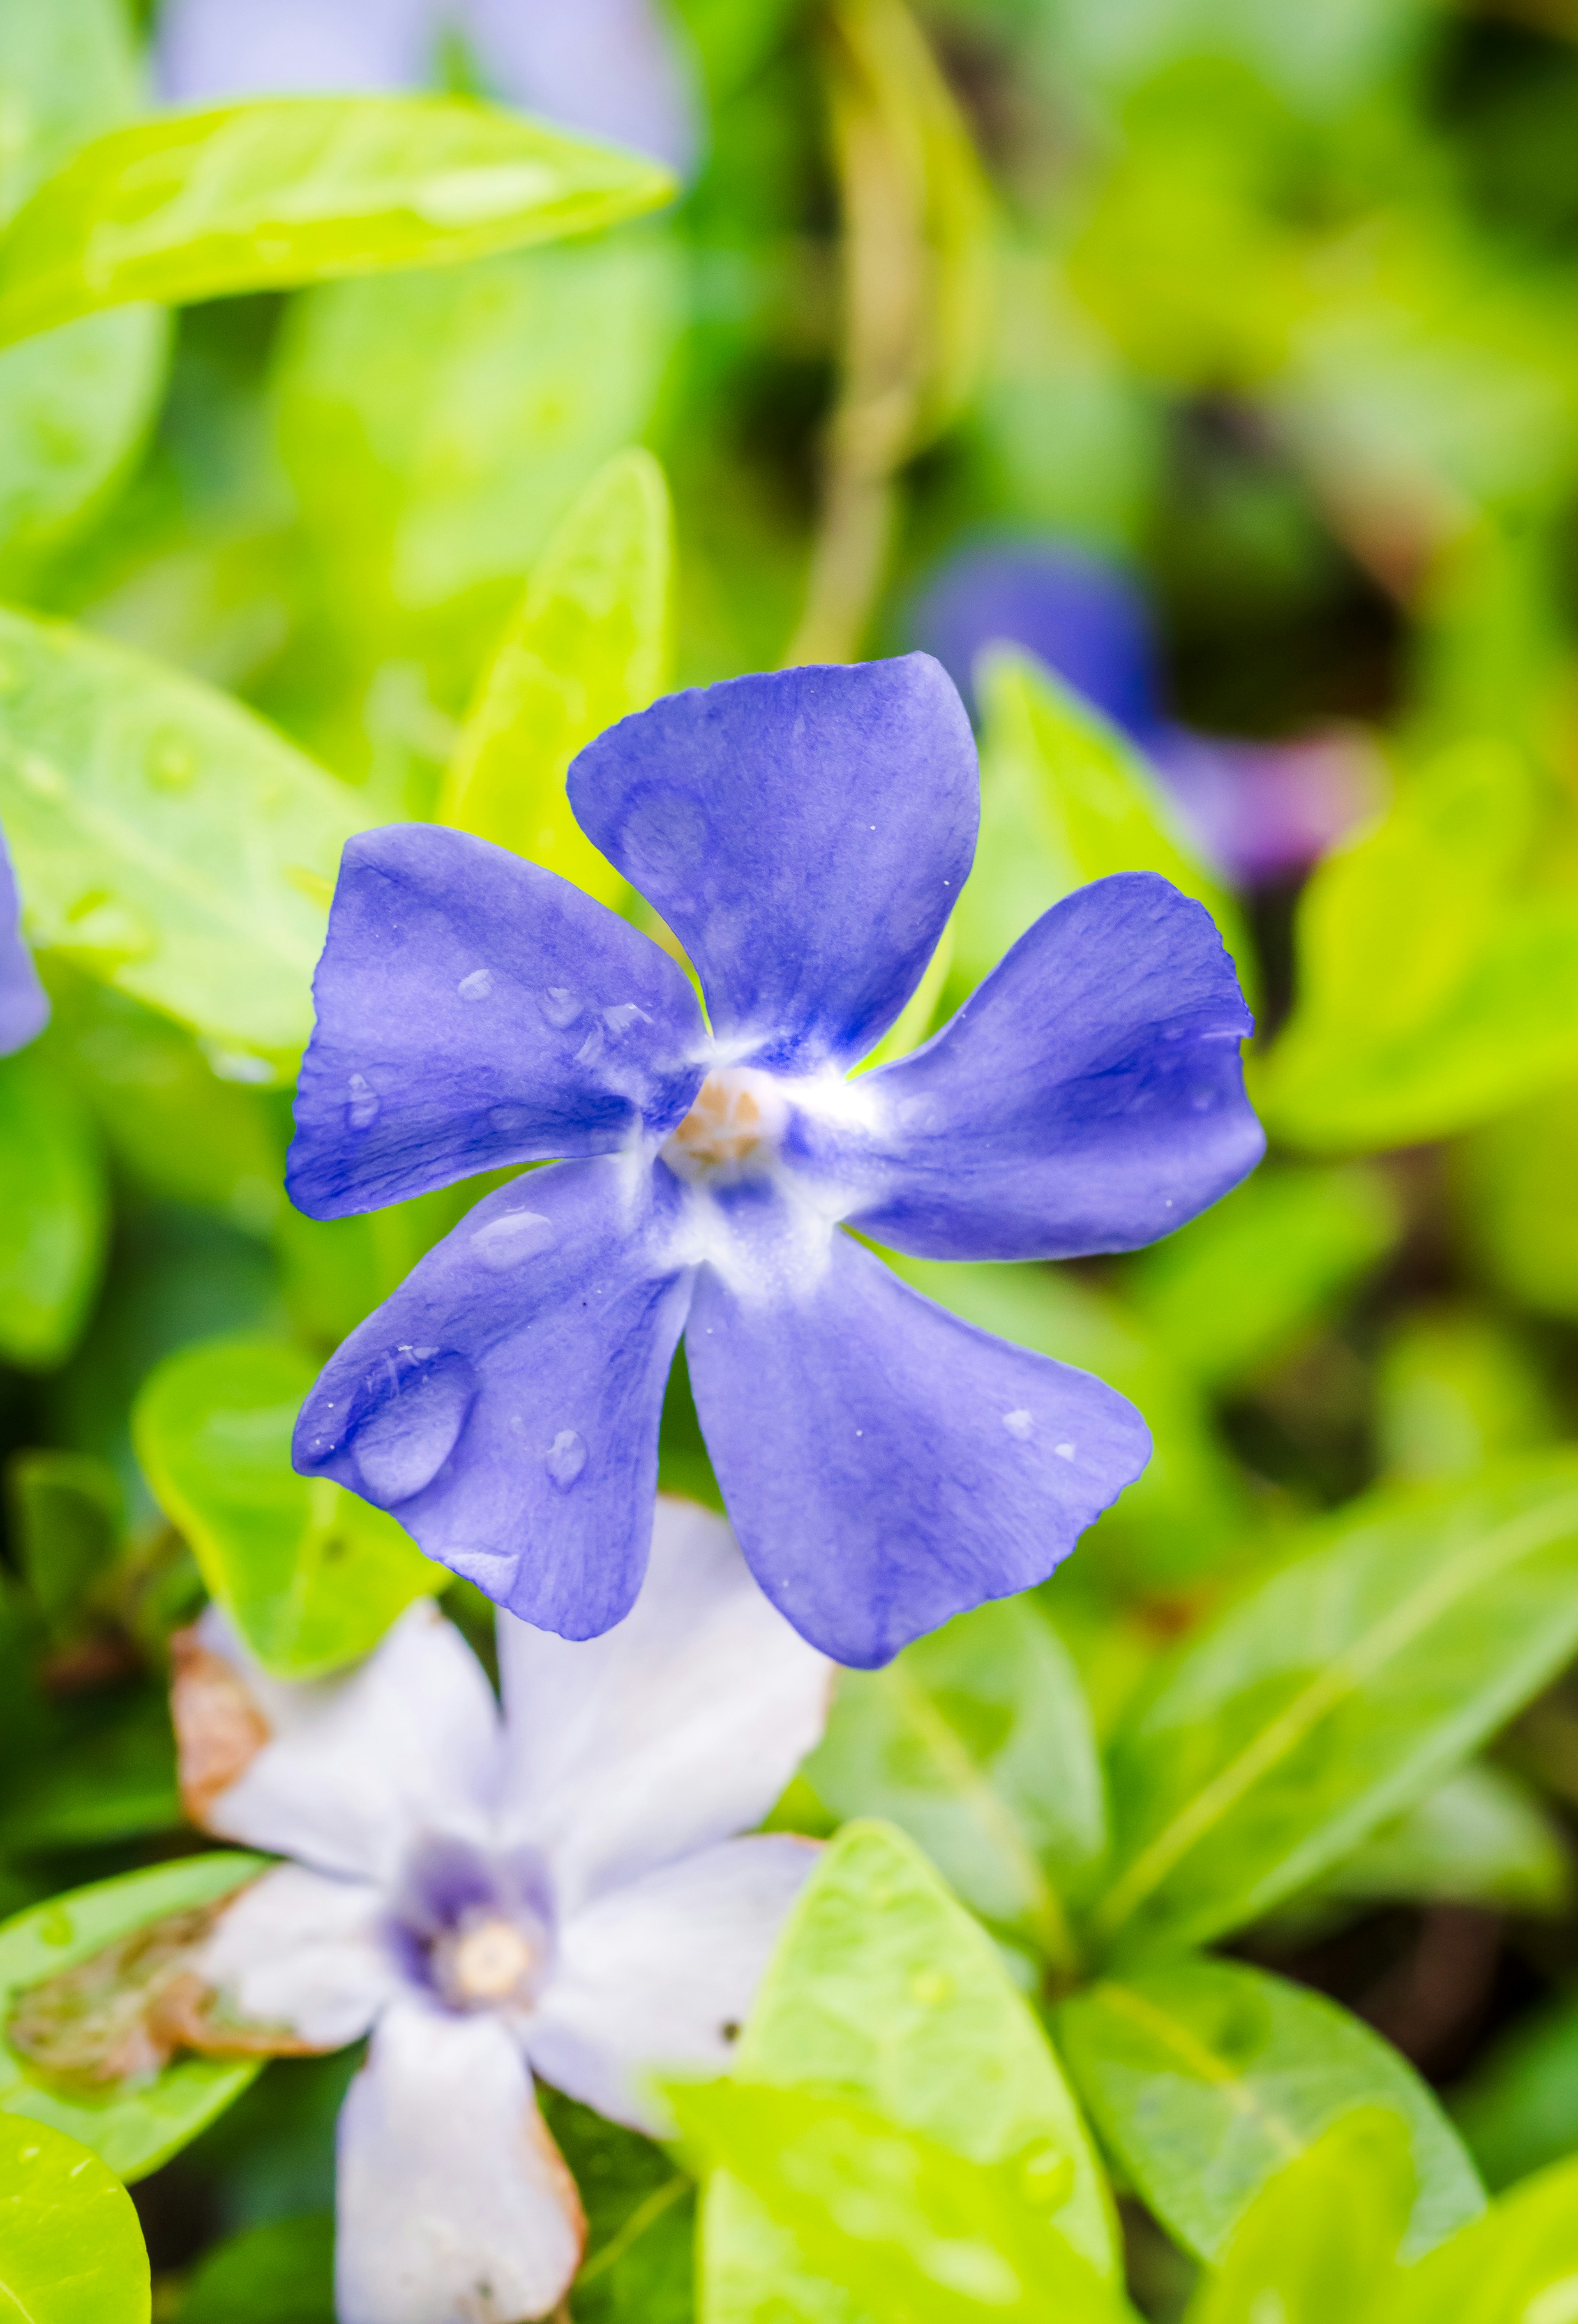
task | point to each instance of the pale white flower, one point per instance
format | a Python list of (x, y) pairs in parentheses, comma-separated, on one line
[(555, 1891)]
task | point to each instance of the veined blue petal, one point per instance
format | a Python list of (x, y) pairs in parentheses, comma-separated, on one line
[(805, 836), (1088, 1097), (885, 1465), (474, 1009), (505, 1402)]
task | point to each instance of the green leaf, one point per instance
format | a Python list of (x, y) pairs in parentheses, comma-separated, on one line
[(587, 646), (1205, 2079), (1337, 1693), (438, 426), (638, 2266), (109, 1774), (1175, 1517), (1513, 1185), (68, 1515), (1437, 983), (165, 839), (1320, 2240), (1519, 2111), (312, 1575), (334, 1271), (201, 204), (1482, 1838), (281, 2274), (1516, 2265), (1239, 1287), (1453, 1390), (1065, 799), (71, 2248), (884, 1990), (908, 2227), (977, 1742), (55, 1209), (132, 2129)]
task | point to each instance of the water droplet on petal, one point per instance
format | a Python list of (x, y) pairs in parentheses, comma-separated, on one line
[(566, 1458), (592, 1047), (511, 1240), (509, 1121), (619, 1019), (477, 986), (405, 1444), (1064, 1451), (559, 1006), (1020, 1423), (362, 1107)]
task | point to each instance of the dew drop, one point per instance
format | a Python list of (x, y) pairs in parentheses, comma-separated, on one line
[(509, 1121), (362, 1107), (402, 1446), (592, 1047), (619, 1019), (1064, 1451), (477, 986), (1020, 1423), (510, 1241), (559, 1006), (566, 1458)]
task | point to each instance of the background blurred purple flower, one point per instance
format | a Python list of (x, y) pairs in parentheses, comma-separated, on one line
[(558, 1890), (805, 836), (609, 68), (1261, 812), (24, 1007)]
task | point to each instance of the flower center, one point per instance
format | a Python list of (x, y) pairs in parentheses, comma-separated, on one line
[(484, 1961), (733, 1123)]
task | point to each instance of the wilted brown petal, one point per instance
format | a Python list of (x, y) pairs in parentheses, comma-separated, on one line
[(219, 1727)]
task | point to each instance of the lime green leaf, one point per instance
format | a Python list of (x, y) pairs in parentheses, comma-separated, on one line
[(906, 2226), (1514, 1189), (296, 189), (1205, 2079), (54, 1212), (438, 426), (74, 405), (1239, 1287), (1482, 1838), (281, 2274), (1340, 1691), (1189, 1501), (312, 1575), (70, 2247), (1455, 1389), (133, 2129), (588, 646), (977, 1742), (165, 839), (1320, 2240), (1516, 2265), (1065, 799), (1436, 986), (884, 1989)]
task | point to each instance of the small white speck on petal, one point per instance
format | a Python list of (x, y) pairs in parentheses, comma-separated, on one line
[(1064, 1451), (1020, 1423), (477, 986)]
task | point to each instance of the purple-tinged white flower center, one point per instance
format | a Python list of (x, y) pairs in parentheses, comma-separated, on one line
[(474, 1929), (486, 1961)]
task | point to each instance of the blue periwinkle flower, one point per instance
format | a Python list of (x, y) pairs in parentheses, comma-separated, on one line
[(24, 1006), (805, 836)]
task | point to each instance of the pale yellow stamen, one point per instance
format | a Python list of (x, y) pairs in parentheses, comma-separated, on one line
[(724, 1127), (489, 1961)]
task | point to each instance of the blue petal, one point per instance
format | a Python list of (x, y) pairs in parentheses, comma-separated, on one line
[(1084, 617), (804, 834), (1088, 1097), (505, 1403), (885, 1465), (24, 1006), (209, 49), (609, 68), (474, 1009)]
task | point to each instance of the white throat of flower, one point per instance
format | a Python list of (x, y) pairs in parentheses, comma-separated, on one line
[(731, 1131)]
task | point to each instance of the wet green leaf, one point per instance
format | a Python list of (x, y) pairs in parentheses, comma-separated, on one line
[(312, 1575), (884, 1990), (1336, 1694), (137, 2129), (1205, 2079), (1320, 2239), (587, 646), (1239, 1287), (73, 405), (54, 1210), (71, 2248), (1064, 800), (977, 1742), (165, 839), (295, 190), (906, 2226)]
